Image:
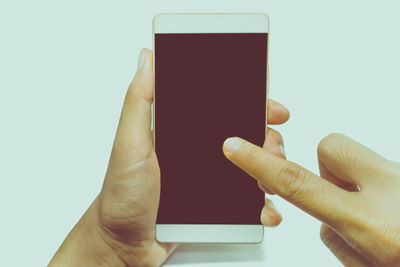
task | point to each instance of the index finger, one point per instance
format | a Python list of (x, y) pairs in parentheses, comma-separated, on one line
[(292, 182)]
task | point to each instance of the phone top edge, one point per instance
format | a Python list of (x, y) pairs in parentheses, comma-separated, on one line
[(211, 13), (218, 22)]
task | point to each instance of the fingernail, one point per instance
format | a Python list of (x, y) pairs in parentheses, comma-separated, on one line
[(141, 60), (231, 145), (269, 218), (282, 149)]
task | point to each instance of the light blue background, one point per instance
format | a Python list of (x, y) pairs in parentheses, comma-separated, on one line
[(64, 70)]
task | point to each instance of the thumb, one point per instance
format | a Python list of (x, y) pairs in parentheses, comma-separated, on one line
[(133, 141), (343, 251)]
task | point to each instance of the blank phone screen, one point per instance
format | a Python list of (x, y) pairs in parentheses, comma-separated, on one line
[(208, 87)]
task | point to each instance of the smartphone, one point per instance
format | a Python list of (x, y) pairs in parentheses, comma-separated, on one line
[(210, 74)]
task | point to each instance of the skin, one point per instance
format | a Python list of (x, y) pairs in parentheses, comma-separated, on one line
[(118, 229), (357, 199)]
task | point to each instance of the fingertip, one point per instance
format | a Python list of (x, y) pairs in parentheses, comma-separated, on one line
[(282, 109), (142, 83), (230, 145), (274, 143), (270, 215), (277, 113), (145, 55), (276, 220), (270, 218)]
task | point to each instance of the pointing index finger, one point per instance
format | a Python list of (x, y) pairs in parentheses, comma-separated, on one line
[(292, 182)]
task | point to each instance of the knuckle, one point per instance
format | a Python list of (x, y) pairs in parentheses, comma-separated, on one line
[(141, 80), (131, 97), (336, 147), (139, 89), (329, 142), (291, 180)]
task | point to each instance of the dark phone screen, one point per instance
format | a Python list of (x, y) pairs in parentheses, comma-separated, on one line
[(208, 87)]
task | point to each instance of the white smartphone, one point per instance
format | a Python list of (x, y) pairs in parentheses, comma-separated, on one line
[(211, 83)]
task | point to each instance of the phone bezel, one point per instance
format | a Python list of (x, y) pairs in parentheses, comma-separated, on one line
[(209, 23)]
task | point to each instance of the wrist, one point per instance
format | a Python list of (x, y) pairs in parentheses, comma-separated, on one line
[(84, 246), (88, 244)]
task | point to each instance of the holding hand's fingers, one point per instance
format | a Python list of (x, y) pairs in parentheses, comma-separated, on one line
[(270, 215), (318, 197), (277, 113), (273, 144)]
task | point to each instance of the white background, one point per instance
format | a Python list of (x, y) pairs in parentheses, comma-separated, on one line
[(64, 69)]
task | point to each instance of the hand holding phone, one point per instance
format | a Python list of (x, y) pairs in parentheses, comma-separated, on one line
[(119, 226)]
